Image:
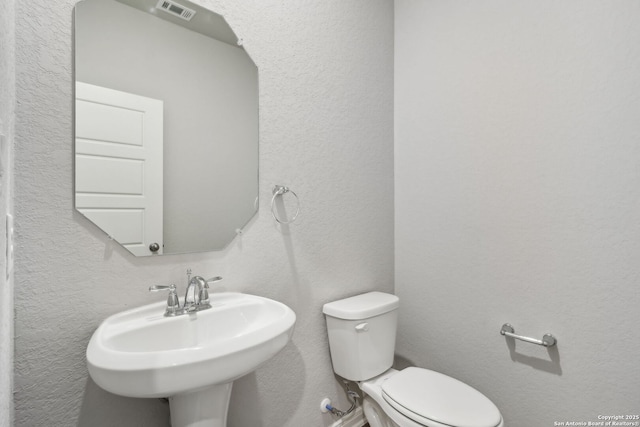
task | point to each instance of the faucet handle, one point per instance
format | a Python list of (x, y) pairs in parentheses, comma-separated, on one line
[(173, 303), (204, 292)]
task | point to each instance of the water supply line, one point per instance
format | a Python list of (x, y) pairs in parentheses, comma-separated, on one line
[(353, 398)]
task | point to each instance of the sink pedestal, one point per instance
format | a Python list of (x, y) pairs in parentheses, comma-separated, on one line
[(203, 408)]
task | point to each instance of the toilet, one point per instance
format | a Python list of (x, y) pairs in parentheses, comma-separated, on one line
[(362, 338)]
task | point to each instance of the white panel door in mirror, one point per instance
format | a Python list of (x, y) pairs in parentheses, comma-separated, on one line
[(119, 139)]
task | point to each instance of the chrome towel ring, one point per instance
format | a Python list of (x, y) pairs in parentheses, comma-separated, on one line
[(281, 190)]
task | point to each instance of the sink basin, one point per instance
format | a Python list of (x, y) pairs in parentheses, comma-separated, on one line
[(141, 353)]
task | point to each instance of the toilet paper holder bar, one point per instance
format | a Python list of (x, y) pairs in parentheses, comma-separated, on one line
[(547, 340)]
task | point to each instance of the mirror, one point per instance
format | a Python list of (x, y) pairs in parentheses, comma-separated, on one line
[(166, 125)]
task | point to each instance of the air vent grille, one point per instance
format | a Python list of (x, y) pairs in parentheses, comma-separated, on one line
[(176, 9)]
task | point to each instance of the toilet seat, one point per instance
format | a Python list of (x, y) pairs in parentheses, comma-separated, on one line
[(426, 396)]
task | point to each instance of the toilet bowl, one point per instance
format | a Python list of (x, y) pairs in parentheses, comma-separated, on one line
[(362, 332), (431, 398)]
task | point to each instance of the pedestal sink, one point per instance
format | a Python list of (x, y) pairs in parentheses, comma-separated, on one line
[(192, 359)]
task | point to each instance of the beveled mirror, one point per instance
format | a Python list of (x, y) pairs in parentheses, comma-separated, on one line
[(166, 125)]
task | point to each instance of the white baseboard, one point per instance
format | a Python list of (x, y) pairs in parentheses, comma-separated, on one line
[(354, 419)]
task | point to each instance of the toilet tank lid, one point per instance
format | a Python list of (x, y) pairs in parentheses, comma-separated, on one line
[(362, 306)]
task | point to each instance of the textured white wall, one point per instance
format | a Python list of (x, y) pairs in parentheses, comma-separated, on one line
[(517, 200), (326, 100), (7, 119)]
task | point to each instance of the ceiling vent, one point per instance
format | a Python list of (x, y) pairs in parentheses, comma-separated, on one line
[(176, 9)]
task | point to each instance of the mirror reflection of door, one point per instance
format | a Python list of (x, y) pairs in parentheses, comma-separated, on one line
[(209, 88), (119, 165)]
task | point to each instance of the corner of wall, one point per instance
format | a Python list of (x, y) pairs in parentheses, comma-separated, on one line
[(7, 115)]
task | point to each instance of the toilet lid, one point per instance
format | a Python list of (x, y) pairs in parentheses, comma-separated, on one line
[(424, 395)]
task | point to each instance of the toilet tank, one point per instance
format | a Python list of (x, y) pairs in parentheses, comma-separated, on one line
[(362, 334)]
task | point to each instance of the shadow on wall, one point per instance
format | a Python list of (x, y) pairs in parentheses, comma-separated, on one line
[(400, 362), (103, 409), (258, 401), (552, 365)]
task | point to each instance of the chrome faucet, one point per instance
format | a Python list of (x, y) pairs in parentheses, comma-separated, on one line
[(196, 297)]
